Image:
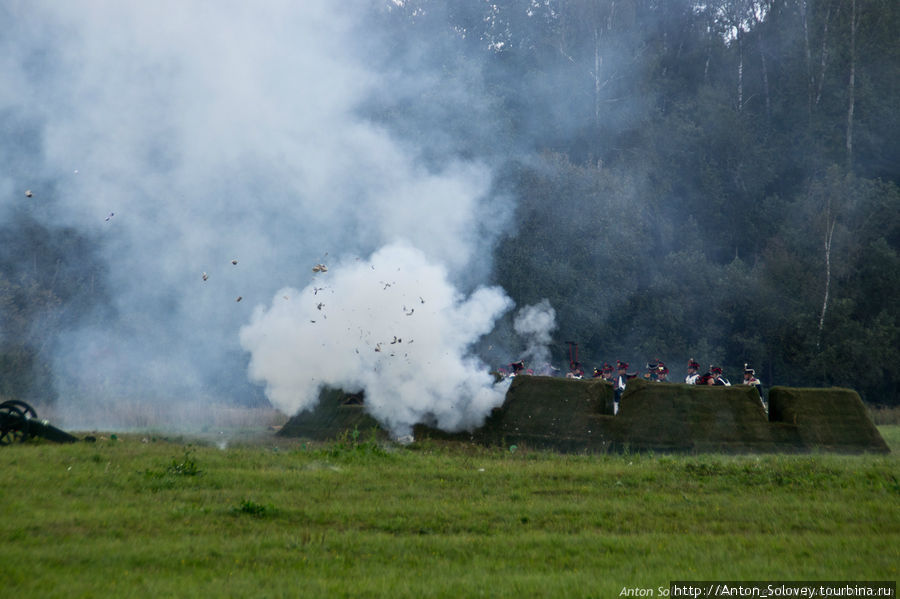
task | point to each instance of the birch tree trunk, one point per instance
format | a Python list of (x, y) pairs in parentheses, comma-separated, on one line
[(765, 70), (823, 61), (740, 87), (709, 49), (851, 86), (829, 234), (599, 84), (598, 61), (815, 81), (804, 18)]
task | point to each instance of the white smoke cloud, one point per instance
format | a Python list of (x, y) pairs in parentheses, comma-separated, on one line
[(234, 131), (394, 326), (535, 325)]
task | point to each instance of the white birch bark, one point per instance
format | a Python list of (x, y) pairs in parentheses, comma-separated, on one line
[(851, 91)]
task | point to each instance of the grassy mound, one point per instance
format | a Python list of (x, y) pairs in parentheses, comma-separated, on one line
[(832, 419), (552, 413), (336, 414), (678, 417), (577, 415)]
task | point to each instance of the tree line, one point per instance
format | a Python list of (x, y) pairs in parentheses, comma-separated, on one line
[(714, 180)]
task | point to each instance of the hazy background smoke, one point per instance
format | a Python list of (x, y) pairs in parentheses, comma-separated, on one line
[(597, 155), (184, 136), (535, 325)]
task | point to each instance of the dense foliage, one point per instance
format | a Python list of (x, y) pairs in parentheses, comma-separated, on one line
[(50, 279), (712, 180), (715, 181)]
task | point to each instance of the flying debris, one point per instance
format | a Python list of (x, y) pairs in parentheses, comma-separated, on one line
[(239, 298), (320, 268), (28, 193), (204, 276)]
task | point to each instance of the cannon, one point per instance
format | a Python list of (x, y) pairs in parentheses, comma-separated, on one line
[(19, 422)]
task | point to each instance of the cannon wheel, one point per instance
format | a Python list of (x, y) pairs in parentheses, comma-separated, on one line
[(22, 406), (13, 423)]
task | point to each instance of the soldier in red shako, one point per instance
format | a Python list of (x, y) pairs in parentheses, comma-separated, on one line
[(652, 370), (575, 371), (707, 378), (607, 373), (716, 371), (662, 373), (693, 372)]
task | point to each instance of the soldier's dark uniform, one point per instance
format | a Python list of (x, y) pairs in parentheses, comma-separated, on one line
[(719, 379), (693, 372), (750, 379), (621, 379)]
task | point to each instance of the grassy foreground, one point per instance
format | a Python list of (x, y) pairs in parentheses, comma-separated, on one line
[(151, 517)]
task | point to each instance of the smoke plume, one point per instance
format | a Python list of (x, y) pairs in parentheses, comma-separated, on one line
[(535, 324), (216, 154), (392, 325)]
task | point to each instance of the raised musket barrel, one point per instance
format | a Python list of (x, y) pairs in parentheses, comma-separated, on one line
[(19, 422)]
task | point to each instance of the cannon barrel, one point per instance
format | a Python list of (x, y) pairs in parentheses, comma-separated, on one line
[(45, 430), (19, 422)]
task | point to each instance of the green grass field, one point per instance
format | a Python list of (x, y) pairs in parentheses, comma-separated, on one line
[(153, 517)]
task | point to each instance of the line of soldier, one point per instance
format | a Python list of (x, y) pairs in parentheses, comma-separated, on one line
[(657, 371)]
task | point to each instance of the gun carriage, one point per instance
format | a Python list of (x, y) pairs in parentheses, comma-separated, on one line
[(19, 422)]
